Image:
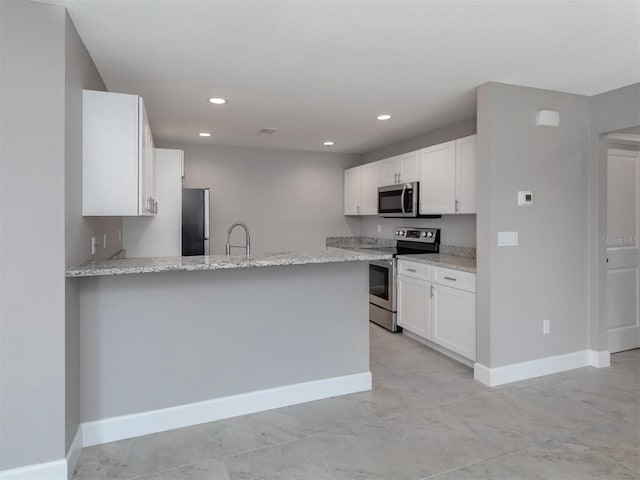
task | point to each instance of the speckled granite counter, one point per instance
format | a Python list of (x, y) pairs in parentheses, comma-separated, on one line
[(124, 266), (454, 262)]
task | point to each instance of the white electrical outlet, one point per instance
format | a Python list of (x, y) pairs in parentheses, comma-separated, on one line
[(379, 228), (93, 245), (104, 241), (507, 239), (546, 327)]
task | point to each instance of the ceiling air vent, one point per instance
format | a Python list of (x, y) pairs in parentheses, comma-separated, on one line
[(267, 131)]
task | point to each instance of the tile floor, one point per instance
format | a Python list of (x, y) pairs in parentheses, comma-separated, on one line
[(425, 418)]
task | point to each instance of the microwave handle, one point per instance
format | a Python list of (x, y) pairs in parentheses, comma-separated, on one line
[(404, 189)]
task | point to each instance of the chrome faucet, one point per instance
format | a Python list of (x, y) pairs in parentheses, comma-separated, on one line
[(247, 245)]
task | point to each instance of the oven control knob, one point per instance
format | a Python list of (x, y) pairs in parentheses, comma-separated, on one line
[(397, 232), (424, 234), (402, 233)]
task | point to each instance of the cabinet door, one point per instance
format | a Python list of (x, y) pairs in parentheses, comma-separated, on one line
[(438, 179), (453, 320), (413, 305), (410, 167), (352, 190), (390, 170), (371, 178), (146, 165), (466, 175)]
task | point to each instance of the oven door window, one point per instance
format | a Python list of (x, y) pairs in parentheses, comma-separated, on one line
[(379, 281), (389, 202)]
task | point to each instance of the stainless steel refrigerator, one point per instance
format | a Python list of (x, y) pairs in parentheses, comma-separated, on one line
[(195, 221)]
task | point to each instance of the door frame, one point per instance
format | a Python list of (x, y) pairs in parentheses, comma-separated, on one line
[(621, 150), (597, 285)]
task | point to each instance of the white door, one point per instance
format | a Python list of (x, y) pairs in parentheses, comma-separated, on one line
[(453, 318), (371, 180), (466, 175), (438, 179), (623, 254), (410, 167), (391, 170), (352, 191), (413, 305)]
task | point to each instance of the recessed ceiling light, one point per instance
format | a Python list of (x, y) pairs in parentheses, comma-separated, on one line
[(217, 101), (328, 143), (204, 134), (386, 116)]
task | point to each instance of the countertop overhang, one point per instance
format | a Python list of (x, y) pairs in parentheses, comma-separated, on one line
[(126, 266)]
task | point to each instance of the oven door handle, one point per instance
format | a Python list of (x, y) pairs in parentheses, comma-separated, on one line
[(382, 263), (404, 189)]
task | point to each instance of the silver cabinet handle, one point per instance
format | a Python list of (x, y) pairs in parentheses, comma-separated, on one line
[(358, 208), (411, 270), (451, 278), (431, 291), (155, 207), (399, 177), (457, 206)]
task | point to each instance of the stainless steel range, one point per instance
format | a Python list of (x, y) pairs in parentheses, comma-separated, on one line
[(382, 274)]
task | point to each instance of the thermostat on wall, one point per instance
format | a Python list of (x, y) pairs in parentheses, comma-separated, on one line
[(525, 199)]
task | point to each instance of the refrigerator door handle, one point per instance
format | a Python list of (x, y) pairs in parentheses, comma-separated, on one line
[(206, 214)]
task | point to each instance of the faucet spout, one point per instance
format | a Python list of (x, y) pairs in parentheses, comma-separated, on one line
[(246, 246)]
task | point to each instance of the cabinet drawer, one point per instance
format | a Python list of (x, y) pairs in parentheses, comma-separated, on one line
[(454, 278), (415, 270)]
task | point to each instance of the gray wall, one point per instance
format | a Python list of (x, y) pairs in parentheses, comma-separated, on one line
[(80, 73), (290, 200), (32, 219), (610, 111), (233, 331), (457, 230), (543, 277)]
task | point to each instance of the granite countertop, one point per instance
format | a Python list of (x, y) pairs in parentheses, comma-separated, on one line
[(454, 262), (124, 266)]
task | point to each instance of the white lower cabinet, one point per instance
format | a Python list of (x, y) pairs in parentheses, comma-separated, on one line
[(453, 318), (429, 307), (414, 305)]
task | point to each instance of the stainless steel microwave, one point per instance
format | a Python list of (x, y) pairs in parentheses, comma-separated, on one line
[(399, 200)]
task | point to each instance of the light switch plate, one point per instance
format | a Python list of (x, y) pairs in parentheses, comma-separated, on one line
[(507, 239)]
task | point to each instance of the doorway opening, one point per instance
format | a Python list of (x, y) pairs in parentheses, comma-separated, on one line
[(623, 240)]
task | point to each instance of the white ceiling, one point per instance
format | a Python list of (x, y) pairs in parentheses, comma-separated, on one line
[(324, 69)]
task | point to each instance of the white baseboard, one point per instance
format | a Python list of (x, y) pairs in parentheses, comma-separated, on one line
[(128, 426), (56, 470), (540, 367), (73, 454), (599, 359)]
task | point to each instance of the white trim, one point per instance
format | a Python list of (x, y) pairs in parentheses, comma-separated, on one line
[(73, 454), (56, 470), (133, 425), (600, 359), (539, 367)]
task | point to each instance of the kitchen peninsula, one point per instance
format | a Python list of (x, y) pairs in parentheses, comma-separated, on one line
[(176, 341)]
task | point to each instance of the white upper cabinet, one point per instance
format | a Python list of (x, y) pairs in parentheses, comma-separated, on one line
[(352, 191), (118, 162), (361, 189), (438, 179), (446, 172), (466, 175), (390, 170), (371, 180), (410, 167), (401, 168)]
